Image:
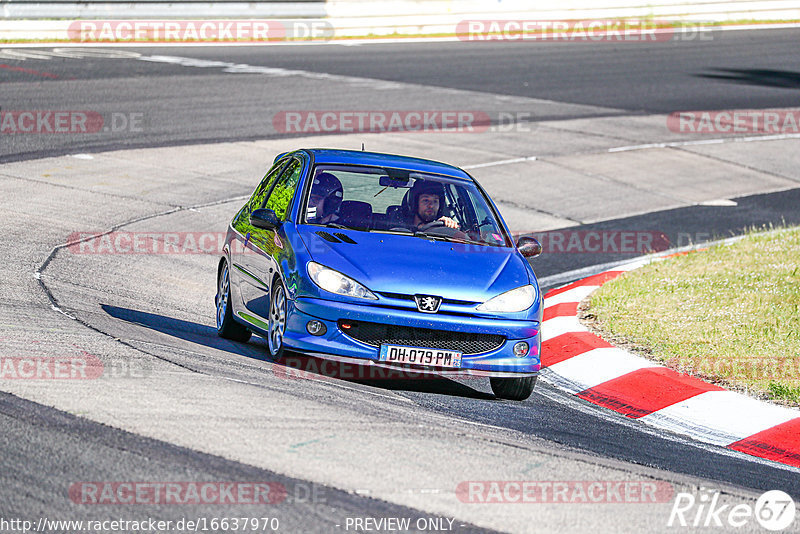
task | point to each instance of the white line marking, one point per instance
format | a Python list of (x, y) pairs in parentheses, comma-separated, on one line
[(675, 144), (243, 68), (500, 162), (722, 202)]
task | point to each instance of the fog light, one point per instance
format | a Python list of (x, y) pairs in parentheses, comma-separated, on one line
[(316, 328), (521, 349)]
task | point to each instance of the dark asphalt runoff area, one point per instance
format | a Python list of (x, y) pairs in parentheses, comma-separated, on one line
[(43, 451), (53, 461)]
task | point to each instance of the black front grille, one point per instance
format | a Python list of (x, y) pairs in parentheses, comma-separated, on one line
[(377, 334)]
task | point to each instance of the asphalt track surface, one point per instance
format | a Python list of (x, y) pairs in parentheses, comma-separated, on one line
[(45, 450), (42, 445), (734, 70)]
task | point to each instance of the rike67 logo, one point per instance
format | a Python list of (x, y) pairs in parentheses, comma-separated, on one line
[(774, 511)]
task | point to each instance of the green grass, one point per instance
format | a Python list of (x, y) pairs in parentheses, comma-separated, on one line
[(730, 314), (781, 391)]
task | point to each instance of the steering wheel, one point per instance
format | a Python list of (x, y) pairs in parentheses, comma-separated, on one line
[(432, 224)]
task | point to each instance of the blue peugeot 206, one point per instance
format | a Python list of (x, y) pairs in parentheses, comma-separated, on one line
[(383, 260)]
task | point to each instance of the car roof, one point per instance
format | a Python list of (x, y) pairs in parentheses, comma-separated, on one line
[(378, 159)]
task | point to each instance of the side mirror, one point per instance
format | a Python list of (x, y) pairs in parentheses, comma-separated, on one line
[(529, 247), (264, 219)]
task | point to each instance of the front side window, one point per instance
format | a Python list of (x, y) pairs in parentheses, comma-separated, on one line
[(257, 199), (280, 199)]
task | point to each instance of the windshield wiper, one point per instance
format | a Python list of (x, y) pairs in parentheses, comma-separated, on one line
[(343, 227), (422, 235), (449, 239), (435, 237), (397, 231)]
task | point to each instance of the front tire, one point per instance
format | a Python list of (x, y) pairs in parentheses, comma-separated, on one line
[(227, 327), (517, 389), (277, 320)]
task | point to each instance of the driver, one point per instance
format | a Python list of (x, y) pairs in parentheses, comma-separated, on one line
[(325, 199), (425, 204)]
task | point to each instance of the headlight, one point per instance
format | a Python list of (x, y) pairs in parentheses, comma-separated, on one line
[(515, 300), (336, 282)]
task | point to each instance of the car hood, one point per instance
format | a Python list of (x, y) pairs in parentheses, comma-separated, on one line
[(387, 263)]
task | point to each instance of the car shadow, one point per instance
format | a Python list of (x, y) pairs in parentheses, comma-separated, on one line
[(295, 366), (187, 330), (300, 366), (765, 77)]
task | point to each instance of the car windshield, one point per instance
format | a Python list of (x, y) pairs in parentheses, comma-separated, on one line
[(401, 201)]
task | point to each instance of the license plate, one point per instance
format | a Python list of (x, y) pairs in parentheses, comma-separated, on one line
[(419, 356)]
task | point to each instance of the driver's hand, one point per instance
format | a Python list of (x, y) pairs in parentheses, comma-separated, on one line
[(448, 222)]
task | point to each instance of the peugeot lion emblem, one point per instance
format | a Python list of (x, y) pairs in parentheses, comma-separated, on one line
[(427, 303)]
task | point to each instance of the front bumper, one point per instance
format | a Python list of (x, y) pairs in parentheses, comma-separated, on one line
[(337, 345)]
